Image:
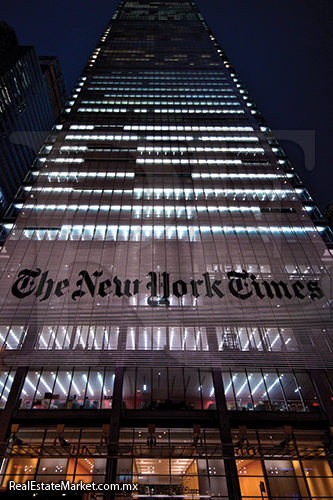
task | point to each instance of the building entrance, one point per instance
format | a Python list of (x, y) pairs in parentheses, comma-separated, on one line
[(168, 477), (173, 462)]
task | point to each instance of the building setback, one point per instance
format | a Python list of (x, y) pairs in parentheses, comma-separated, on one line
[(166, 287), (32, 93)]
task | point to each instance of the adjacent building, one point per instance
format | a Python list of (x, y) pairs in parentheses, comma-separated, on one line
[(166, 287), (32, 93), (54, 81)]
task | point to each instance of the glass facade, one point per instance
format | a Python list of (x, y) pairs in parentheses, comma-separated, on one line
[(165, 272), (176, 466), (74, 389), (163, 388)]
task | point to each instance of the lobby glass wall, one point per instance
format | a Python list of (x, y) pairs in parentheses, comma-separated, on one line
[(282, 477), (176, 464), (56, 461), (175, 470)]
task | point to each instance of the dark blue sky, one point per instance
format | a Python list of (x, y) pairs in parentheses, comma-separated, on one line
[(281, 49)]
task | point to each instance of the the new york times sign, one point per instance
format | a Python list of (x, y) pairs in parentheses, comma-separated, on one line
[(241, 285)]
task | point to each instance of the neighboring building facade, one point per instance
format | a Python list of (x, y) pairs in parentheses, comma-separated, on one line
[(166, 287), (55, 82), (30, 101)]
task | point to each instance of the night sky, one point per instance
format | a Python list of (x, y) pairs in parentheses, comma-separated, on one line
[(281, 49)]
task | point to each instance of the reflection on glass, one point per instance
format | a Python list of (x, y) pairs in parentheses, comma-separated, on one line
[(207, 390), (228, 381), (29, 390), (242, 391), (292, 393), (281, 478), (307, 392)]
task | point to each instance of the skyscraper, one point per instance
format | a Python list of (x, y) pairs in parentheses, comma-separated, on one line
[(32, 93), (165, 288)]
